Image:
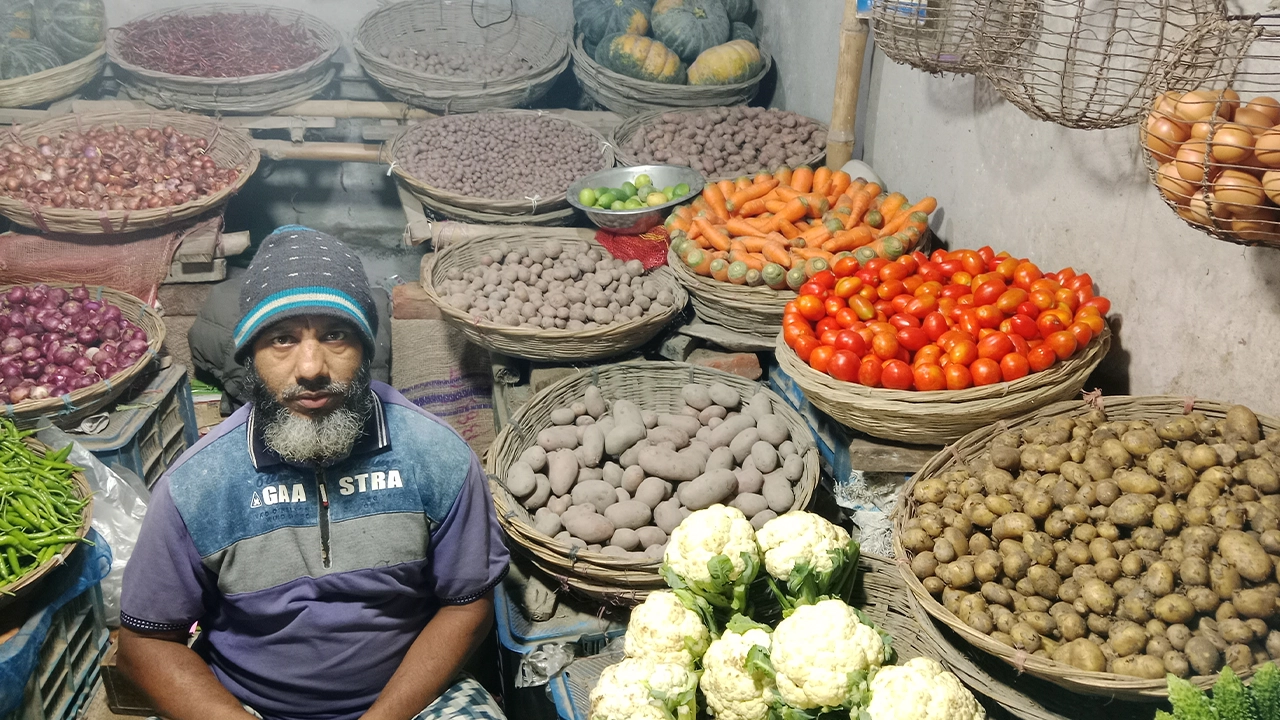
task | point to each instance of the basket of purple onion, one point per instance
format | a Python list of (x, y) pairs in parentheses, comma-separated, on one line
[(66, 351)]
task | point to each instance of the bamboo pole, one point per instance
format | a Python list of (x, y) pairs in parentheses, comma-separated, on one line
[(844, 110), (324, 151), (356, 109)]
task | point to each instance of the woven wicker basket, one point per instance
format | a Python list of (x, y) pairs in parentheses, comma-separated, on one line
[(938, 417), (629, 96), (559, 346), (250, 94), (554, 218), (438, 24), (627, 129), (1124, 408), (754, 311), (483, 209), (67, 410), (27, 585), (229, 148), (52, 84), (652, 386)]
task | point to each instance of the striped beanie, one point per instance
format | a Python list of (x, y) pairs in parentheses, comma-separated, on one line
[(300, 271)]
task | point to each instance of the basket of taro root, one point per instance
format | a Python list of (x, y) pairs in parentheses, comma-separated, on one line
[(66, 350), (225, 57), (119, 172), (1103, 545)]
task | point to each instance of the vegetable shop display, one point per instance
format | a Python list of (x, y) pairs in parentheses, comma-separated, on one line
[(725, 141), (218, 44), (949, 321)]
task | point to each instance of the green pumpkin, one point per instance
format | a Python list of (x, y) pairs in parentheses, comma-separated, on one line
[(20, 58), (640, 57), (598, 18), (689, 27), (739, 10), (733, 62), (75, 28), (15, 19), (743, 31)]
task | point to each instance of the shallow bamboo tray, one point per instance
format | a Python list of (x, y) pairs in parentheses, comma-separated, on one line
[(227, 146), (1117, 407), (652, 386), (941, 416), (52, 84)]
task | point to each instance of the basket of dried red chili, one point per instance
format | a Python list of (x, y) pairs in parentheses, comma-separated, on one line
[(225, 57)]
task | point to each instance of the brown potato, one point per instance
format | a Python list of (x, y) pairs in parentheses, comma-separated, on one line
[(1044, 581), (1234, 630), (1203, 599), (1141, 666), (932, 524), (1240, 424), (1239, 658), (1173, 551), (916, 540), (1194, 571), (1004, 618), (1099, 596), (978, 543), (1101, 549), (1108, 570), (1245, 554), (1135, 605), (1097, 467), (1132, 565), (1012, 525), (1056, 525), (1226, 611), (1071, 626), (944, 551), (1179, 478), (1070, 590), (1167, 518), (932, 490), (1025, 637), (953, 501), (1137, 481), (1223, 579), (1175, 429), (1262, 476), (1204, 658), (1081, 654), (1159, 579), (951, 598), (1098, 624), (1273, 644), (1076, 513), (981, 516), (1132, 510), (1258, 627), (1126, 638), (970, 604), (933, 585), (981, 621), (1078, 552), (1038, 504), (996, 594), (924, 564), (1004, 638), (1258, 602), (1174, 609), (1040, 547), (1158, 645), (1141, 441), (1087, 494), (1125, 585), (1006, 457), (1015, 565), (1175, 663)]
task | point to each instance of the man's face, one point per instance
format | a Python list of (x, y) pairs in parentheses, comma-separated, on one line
[(307, 362)]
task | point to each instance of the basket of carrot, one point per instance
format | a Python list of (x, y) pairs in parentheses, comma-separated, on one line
[(743, 247)]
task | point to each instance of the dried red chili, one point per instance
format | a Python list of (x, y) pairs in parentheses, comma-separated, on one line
[(219, 45)]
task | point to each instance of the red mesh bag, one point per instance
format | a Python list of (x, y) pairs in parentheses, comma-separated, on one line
[(135, 263), (649, 248)]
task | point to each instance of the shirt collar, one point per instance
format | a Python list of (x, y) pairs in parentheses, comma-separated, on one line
[(373, 438)]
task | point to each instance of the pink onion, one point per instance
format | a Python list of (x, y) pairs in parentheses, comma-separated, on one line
[(16, 295), (40, 392), (72, 307), (10, 345), (86, 336), (19, 394), (135, 347), (92, 305), (106, 368), (80, 364), (58, 296)]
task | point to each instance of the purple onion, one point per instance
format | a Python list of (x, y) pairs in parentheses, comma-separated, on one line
[(17, 319), (111, 312), (16, 332), (80, 365), (58, 296), (109, 348), (10, 346), (30, 340), (32, 369), (5, 324), (65, 355), (92, 305), (109, 330), (86, 336), (11, 369), (35, 329), (106, 368), (37, 295), (12, 382), (135, 347), (31, 353), (72, 307), (81, 293), (16, 295), (51, 322)]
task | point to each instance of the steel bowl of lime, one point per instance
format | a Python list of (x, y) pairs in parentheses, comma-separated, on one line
[(636, 199)]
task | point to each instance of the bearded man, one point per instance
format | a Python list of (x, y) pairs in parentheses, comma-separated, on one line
[(336, 544)]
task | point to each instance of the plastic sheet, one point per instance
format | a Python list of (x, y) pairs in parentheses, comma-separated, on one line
[(119, 503), (539, 666), (19, 656)]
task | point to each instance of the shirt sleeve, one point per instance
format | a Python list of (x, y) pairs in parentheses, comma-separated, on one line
[(469, 533), (166, 586)]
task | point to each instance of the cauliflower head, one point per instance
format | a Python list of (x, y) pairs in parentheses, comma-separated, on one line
[(733, 691), (817, 648), (800, 537), (640, 689), (717, 530), (921, 689), (662, 629)]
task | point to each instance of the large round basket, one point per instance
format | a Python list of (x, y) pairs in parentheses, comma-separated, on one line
[(482, 209), (1121, 408), (559, 346), (554, 218), (22, 589), (752, 311), (250, 94), (936, 39), (627, 129), (444, 26), (629, 96), (652, 386), (941, 416), (66, 410), (228, 147), (52, 84)]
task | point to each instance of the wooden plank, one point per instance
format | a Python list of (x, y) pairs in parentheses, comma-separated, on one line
[(417, 227), (323, 151), (357, 109), (279, 122), (724, 337), (874, 455)]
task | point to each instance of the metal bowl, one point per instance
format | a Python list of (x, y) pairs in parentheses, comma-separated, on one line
[(633, 222)]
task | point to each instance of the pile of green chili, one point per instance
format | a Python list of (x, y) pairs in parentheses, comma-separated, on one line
[(39, 506)]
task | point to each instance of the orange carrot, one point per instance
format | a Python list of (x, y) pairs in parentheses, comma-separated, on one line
[(861, 203), (675, 222), (914, 222), (840, 182), (903, 217), (726, 188), (762, 177), (926, 206), (777, 252), (810, 253), (718, 240), (749, 259), (775, 206), (719, 270), (714, 199), (816, 235), (699, 261), (794, 210), (787, 229), (855, 187), (738, 226), (891, 205), (744, 195), (752, 243), (786, 192), (752, 208), (802, 179), (849, 239), (783, 175), (822, 180), (815, 205), (763, 224)]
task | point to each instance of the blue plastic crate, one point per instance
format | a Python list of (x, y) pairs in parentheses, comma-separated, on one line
[(67, 676), (150, 428), (522, 636), (833, 438), (571, 689)]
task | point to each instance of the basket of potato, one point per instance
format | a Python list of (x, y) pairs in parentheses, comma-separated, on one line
[(1103, 546), (595, 471)]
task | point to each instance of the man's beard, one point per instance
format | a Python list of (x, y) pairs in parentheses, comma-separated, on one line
[(320, 441)]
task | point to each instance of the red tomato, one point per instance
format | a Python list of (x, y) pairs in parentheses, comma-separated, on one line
[(1063, 275), (869, 371), (874, 264), (1023, 275), (1005, 267), (885, 345), (988, 292), (810, 307), (912, 338), (986, 253), (893, 271), (1063, 343), (884, 308), (1010, 299), (834, 305), (972, 262), (1102, 304), (828, 337), (913, 283), (921, 306), (897, 375), (851, 341), (821, 357), (951, 338), (1068, 298), (825, 279), (867, 277), (845, 266), (804, 347), (931, 287), (792, 333), (867, 335), (955, 292), (847, 287), (1077, 282), (862, 307), (969, 322), (890, 289), (844, 366), (962, 278), (1020, 344), (934, 324), (928, 376), (1048, 324), (938, 255), (995, 346), (911, 261), (825, 324), (1041, 357), (882, 326), (902, 320), (928, 354), (1014, 366), (949, 268), (930, 272), (847, 317), (1029, 309), (1093, 321), (789, 308), (957, 376), (989, 316), (900, 303), (813, 288), (985, 371), (1082, 332), (869, 292), (964, 352)]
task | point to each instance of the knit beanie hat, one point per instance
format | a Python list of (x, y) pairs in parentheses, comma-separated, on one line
[(300, 271)]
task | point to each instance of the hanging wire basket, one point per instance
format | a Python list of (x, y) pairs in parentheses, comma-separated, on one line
[(1214, 151), (1089, 64), (941, 36)]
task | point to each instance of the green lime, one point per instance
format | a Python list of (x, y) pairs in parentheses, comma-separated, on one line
[(607, 199), (642, 179), (682, 189), (587, 197), (618, 205), (601, 191), (670, 191), (655, 198), (644, 190), (628, 190), (634, 204)]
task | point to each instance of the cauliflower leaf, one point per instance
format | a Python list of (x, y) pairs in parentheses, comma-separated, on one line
[(641, 689), (816, 559), (710, 562), (664, 629)]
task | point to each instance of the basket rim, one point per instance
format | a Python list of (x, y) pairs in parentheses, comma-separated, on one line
[(1062, 674), (699, 285), (65, 68), (364, 55), (580, 55), (331, 42)]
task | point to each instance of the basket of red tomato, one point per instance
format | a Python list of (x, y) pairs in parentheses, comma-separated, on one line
[(924, 349)]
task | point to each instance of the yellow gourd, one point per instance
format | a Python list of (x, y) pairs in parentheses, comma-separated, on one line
[(733, 62)]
